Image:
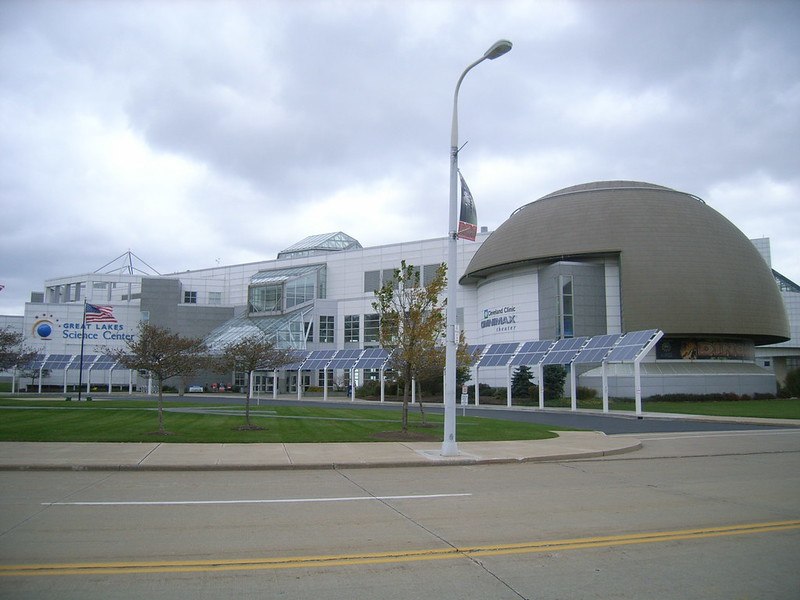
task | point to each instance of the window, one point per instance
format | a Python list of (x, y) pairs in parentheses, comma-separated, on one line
[(326, 329), (300, 290), (372, 281), (265, 298), (351, 328), (190, 297), (215, 298), (372, 326), (566, 317)]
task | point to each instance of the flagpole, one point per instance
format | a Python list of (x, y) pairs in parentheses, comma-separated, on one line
[(80, 365), (449, 444)]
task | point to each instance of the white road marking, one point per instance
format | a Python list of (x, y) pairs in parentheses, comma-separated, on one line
[(271, 501)]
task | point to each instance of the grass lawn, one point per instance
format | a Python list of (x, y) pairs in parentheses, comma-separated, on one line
[(126, 421)]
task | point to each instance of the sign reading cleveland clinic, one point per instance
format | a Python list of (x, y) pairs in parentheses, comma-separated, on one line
[(500, 319)]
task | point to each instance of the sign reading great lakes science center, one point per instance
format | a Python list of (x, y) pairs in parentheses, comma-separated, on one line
[(59, 328)]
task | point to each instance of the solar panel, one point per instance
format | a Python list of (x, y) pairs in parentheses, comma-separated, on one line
[(564, 351), (498, 355), (373, 358), (345, 359), (532, 353), (597, 348), (88, 359), (631, 344), (299, 357), (475, 351), (318, 359), (57, 361), (104, 362)]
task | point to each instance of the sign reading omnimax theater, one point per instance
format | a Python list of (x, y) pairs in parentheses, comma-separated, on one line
[(500, 319)]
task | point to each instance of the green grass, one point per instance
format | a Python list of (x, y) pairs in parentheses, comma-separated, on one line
[(767, 408), (121, 421)]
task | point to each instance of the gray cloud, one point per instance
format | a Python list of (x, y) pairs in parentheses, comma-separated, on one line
[(191, 132)]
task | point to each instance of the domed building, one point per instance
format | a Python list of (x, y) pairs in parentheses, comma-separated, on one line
[(618, 256)]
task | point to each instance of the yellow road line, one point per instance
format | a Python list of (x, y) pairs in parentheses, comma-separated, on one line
[(297, 562)]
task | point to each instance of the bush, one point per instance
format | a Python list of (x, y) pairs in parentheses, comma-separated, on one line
[(585, 393), (792, 383), (720, 397)]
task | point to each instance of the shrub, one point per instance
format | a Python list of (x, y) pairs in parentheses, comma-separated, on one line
[(792, 383)]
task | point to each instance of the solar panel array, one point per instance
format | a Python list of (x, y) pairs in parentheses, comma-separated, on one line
[(88, 359), (104, 362), (373, 358), (318, 359), (532, 353), (597, 348), (345, 359), (57, 361), (630, 346), (498, 355), (564, 351)]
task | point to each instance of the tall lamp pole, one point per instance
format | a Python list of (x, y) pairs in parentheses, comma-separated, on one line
[(449, 445)]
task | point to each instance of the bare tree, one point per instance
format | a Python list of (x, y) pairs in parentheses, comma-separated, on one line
[(164, 354), (13, 352), (249, 354)]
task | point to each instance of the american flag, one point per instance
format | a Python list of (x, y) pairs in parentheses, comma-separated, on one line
[(99, 314)]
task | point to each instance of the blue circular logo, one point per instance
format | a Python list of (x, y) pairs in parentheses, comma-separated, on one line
[(44, 330)]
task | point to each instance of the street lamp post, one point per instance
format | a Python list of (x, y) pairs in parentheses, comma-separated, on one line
[(449, 445)]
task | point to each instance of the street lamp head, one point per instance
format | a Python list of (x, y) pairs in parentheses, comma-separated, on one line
[(499, 48)]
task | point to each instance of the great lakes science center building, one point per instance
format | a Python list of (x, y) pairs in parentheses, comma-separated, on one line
[(599, 259)]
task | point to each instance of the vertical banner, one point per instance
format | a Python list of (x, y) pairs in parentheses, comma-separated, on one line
[(468, 217)]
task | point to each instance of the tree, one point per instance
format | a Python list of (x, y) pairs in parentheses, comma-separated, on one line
[(554, 378), (521, 382), (412, 323), (164, 354), (13, 353), (249, 354)]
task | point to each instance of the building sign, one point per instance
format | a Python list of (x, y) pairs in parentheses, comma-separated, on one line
[(61, 327), (704, 349), (499, 319)]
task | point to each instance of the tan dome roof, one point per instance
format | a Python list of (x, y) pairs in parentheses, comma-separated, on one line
[(684, 268)]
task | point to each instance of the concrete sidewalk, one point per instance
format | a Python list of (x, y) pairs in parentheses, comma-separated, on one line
[(186, 457)]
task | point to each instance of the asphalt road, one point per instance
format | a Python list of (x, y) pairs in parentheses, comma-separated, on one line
[(591, 421), (692, 515)]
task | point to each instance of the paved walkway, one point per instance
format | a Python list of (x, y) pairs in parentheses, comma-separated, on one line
[(168, 456)]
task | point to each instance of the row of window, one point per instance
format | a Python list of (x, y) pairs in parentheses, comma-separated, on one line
[(374, 280), (352, 329), (214, 298)]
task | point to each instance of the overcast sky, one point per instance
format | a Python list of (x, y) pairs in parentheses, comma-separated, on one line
[(197, 133)]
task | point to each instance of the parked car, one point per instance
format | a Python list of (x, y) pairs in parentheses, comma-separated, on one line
[(193, 389)]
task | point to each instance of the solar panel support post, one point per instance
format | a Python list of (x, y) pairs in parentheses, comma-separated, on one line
[(604, 372), (41, 368), (383, 384), (352, 385), (573, 387), (66, 370), (325, 384), (508, 385), (477, 388), (413, 391), (299, 386), (541, 384), (637, 370)]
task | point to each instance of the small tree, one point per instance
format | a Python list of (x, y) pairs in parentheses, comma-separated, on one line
[(249, 354), (164, 354), (412, 322), (521, 382), (554, 378)]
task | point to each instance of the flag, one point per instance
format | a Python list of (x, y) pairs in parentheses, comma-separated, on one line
[(99, 314), (468, 219)]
